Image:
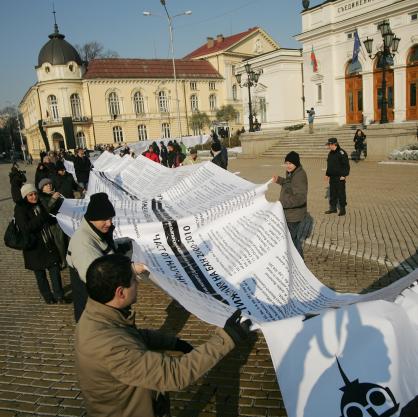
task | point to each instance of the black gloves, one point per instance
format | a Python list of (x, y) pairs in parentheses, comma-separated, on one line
[(183, 346), (236, 330)]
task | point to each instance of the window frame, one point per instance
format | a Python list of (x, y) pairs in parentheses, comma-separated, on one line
[(117, 134)]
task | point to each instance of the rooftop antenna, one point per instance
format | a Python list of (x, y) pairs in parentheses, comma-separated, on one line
[(55, 18)]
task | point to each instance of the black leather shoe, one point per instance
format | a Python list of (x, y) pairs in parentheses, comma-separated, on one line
[(342, 213), (51, 301), (63, 301), (331, 211)]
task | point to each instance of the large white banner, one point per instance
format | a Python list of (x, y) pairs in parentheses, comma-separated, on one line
[(214, 243)]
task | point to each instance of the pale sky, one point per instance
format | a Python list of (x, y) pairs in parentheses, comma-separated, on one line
[(120, 26)]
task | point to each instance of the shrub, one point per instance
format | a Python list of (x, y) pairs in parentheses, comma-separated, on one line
[(405, 153), (295, 127)]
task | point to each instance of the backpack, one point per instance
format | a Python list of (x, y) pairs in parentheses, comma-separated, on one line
[(15, 239)]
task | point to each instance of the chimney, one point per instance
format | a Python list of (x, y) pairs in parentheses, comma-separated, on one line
[(210, 42), (219, 38)]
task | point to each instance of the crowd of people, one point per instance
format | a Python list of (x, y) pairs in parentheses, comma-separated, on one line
[(120, 366)]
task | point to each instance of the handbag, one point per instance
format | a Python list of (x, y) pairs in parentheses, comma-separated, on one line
[(15, 239)]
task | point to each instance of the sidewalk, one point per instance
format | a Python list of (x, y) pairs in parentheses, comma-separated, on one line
[(374, 244)]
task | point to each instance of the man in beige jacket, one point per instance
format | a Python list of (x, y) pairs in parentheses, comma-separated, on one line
[(121, 373)]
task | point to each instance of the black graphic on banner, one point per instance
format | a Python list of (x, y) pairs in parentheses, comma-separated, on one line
[(366, 399), (118, 186)]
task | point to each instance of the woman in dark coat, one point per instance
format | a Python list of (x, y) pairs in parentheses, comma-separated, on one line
[(42, 172), (32, 218), (17, 179)]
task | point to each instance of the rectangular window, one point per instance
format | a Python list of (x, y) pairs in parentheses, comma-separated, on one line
[(319, 93), (350, 102), (350, 35), (414, 17), (390, 97), (193, 85), (212, 85), (360, 100), (379, 98), (412, 94), (165, 130)]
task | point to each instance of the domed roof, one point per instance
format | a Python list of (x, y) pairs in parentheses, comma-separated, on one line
[(57, 51)]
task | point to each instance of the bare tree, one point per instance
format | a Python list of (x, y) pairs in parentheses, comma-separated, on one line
[(93, 49)]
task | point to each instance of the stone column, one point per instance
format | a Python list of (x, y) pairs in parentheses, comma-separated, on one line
[(399, 74), (368, 97)]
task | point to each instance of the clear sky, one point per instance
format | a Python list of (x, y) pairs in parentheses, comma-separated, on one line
[(120, 26)]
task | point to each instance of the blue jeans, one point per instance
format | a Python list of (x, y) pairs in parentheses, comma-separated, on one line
[(43, 284), (294, 232)]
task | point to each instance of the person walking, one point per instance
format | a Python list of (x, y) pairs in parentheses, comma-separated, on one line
[(34, 221), (338, 169), (192, 158), (359, 145), (293, 196), (64, 182), (121, 368), (93, 239), (311, 118), (82, 167)]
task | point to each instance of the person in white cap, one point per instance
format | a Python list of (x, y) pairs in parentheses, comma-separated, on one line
[(41, 253)]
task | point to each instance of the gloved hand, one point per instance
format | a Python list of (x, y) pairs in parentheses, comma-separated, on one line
[(236, 330), (183, 346)]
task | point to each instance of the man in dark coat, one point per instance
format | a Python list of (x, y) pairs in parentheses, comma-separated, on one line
[(293, 196), (82, 167), (17, 179), (338, 168), (64, 182), (163, 154), (220, 155)]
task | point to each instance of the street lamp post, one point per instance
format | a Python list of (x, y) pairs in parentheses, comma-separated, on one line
[(389, 49), (170, 29), (22, 144), (251, 81)]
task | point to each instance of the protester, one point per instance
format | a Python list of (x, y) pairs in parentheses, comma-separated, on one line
[(52, 200), (311, 118), (93, 239), (155, 148), (150, 154), (220, 155), (65, 183), (183, 148), (34, 222), (172, 156), (42, 172), (17, 179), (192, 158), (120, 367), (338, 169), (293, 196), (82, 167), (163, 154), (359, 145)]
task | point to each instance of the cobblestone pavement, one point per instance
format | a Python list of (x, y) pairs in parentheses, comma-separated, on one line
[(370, 247)]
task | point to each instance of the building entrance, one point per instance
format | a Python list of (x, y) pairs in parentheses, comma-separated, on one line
[(354, 93), (377, 88), (412, 84)]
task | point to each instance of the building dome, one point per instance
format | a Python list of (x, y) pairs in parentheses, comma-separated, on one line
[(57, 51)]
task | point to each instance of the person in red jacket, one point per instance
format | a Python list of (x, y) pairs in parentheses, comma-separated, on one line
[(150, 154)]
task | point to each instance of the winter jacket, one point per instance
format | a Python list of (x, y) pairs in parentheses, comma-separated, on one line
[(120, 370), (293, 195), (34, 219), (85, 246), (82, 167), (219, 159), (153, 156), (337, 163), (190, 161), (66, 185), (42, 172)]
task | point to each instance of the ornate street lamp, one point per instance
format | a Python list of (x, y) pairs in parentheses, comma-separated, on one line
[(388, 50), (251, 81), (170, 29)]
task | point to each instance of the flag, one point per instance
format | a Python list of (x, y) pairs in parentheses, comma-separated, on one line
[(357, 46), (314, 62)]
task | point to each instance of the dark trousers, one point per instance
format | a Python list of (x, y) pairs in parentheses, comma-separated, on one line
[(337, 193), (43, 284), (294, 232), (79, 292)]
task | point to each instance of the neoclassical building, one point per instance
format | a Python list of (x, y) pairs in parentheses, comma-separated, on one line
[(125, 100), (342, 92)]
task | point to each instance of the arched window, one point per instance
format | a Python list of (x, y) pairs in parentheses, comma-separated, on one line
[(212, 102), (75, 105), (238, 118), (379, 61), (165, 130), (117, 134), (80, 140), (142, 132), (139, 106), (413, 56), (113, 100), (53, 107), (353, 68), (234, 92), (194, 103), (163, 102)]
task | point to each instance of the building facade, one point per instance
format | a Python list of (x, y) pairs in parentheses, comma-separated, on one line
[(125, 100), (344, 92)]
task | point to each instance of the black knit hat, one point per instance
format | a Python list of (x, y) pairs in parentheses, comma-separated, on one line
[(99, 208), (59, 166), (293, 157), (216, 146)]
